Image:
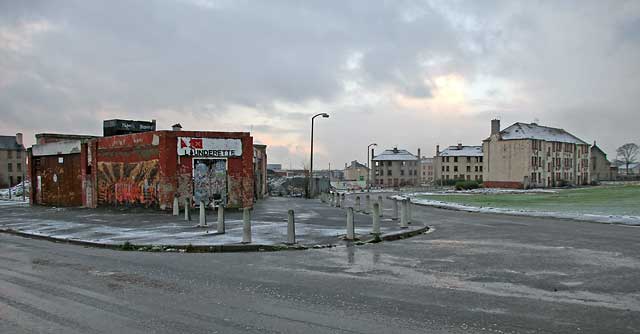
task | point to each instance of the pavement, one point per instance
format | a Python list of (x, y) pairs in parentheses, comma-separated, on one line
[(473, 273), (317, 224)]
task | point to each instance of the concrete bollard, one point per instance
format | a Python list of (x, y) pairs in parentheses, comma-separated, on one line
[(380, 201), (337, 200), (187, 208), (246, 228), (291, 228), (176, 206), (221, 227), (367, 204), (351, 233), (395, 209), (404, 214), (342, 200), (333, 199), (376, 219), (203, 214), (357, 203)]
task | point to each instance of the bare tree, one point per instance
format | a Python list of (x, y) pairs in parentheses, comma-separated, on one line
[(627, 153)]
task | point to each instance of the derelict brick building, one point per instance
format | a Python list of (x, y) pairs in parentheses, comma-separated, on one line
[(149, 169)]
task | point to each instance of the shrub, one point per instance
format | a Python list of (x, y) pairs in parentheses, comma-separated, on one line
[(466, 185)]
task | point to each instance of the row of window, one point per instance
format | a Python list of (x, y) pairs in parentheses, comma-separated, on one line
[(559, 176), (455, 168), (558, 163), (390, 163), (469, 159), (380, 172), (462, 177), (18, 167), (18, 154), (19, 179)]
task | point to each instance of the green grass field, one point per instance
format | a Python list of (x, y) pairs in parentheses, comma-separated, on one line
[(602, 200)]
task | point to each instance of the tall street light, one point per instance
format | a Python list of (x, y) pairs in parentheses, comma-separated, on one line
[(369, 167), (310, 186)]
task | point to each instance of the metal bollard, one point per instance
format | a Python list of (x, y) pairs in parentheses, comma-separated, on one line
[(409, 211), (395, 209), (291, 228), (357, 203), (187, 209), (221, 227), (246, 228), (367, 204), (176, 206), (404, 214), (381, 205), (203, 214), (351, 233), (376, 219)]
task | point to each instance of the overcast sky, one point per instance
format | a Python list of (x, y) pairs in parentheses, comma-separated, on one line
[(411, 74)]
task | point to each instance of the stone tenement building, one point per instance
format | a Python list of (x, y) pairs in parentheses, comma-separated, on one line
[(12, 160), (530, 155), (601, 168), (396, 168), (426, 170), (355, 172), (459, 163)]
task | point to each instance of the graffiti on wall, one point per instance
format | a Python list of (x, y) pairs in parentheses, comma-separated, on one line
[(210, 180), (128, 183)]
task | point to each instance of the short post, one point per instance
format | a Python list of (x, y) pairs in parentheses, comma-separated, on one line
[(337, 200), (333, 199), (409, 210), (291, 228), (381, 205), (367, 204), (342, 200), (404, 214), (351, 233), (246, 228), (221, 218), (395, 209), (376, 219), (203, 214), (357, 203), (187, 207), (176, 206)]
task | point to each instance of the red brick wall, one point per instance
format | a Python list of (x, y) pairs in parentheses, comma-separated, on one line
[(503, 184)]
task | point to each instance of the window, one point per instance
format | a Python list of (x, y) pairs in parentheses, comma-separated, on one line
[(377, 163), (455, 159), (19, 179), (10, 166), (11, 181), (447, 168), (443, 159), (19, 155), (447, 159), (476, 168), (19, 167), (389, 172), (469, 159), (402, 172), (480, 159), (468, 168), (481, 168), (455, 168), (447, 177), (9, 154), (443, 168)]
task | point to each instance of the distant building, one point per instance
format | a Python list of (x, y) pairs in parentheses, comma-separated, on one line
[(12, 160), (601, 169), (634, 169), (426, 170), (355, 172), (116, 127), (395, 168), (459, 163), (274, 167), (260, 170), (530, 155)]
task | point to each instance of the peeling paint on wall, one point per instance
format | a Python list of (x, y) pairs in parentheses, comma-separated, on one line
[(128, 183)]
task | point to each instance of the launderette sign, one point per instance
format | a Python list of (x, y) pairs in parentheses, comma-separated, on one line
[(209, 147)]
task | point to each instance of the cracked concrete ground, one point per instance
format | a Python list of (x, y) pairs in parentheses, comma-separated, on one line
[(474, 273)]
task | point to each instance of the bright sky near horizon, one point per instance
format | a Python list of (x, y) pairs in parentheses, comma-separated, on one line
[(411, 74)]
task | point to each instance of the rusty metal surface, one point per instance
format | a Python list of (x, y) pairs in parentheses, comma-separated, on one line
[(134, 183), (58, 183)]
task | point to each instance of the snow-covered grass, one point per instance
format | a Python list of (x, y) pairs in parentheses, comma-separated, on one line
[(610, 204)]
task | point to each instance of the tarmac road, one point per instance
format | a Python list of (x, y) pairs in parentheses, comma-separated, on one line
[(474, 273)]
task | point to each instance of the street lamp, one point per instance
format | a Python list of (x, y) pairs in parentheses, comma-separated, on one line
[(369, 167), (324, 115)]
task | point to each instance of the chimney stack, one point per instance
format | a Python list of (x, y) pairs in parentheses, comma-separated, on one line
[(419, 156), (495, 126), (459, 146), (437, 150), (176, 127), (19, 138)]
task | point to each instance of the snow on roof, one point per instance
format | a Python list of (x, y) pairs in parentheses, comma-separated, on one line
[(356, 164), (462, 151), (395, 155), (538, 132)]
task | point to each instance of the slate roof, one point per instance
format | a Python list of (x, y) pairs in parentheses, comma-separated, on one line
[(9, 143), (356, 164), (464, 151), (539, 132), (395, 155)]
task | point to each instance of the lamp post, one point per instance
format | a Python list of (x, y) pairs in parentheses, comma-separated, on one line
[(368, 165), (310, 187)]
